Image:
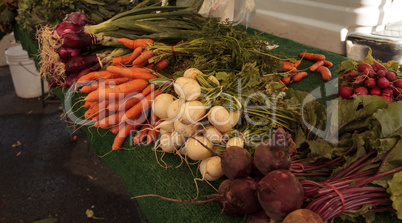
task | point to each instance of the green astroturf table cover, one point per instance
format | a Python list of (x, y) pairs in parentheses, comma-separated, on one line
[(143, 171)]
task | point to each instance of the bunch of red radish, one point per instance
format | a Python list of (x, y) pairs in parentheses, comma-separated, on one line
[(375, 79)]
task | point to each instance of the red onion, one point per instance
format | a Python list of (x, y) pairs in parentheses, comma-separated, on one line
[(67, 53), (76, 40), (79, 19), (67, 27)]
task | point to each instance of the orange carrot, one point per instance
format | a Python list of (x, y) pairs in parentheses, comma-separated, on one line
[(89, 104), (145, 55), (102, 112), (152, 132), (129, 102), (288, 66), (286, 80), (93, 75), (128, 58), (115, 129), (95, 85), (162, 64), (328, 63), (312, 56), (135, 85), (141, 135), (133, 44), (298, 76), (124, 130), (316, 65), (125, 103), (90, 113), (130, 73), (141, 107), (297, 63), (110, 120), (325, 73), (143, 64)]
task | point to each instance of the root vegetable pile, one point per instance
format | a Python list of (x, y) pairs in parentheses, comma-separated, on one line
[(370, 77)]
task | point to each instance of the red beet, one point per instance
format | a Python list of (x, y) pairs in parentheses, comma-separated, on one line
[(274, 153), (279, 193), (236, 162), (259, 217), (238, 197), (345, 91)]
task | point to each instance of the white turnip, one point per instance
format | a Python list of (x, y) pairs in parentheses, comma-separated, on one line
[(193, 111), (211, 169), (187, 88), (192, 73), (175, 109), (198, 148), (212, 134), (160, 105)]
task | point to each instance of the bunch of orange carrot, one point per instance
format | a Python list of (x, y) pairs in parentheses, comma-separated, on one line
[(120, 97), (321, 66)]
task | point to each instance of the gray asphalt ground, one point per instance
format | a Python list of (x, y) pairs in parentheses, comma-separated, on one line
[(50, 177)]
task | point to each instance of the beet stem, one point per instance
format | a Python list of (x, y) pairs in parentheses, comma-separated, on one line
[(178, 200)]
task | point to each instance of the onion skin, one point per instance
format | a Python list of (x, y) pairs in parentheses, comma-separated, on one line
[(80, 62), (76, 40), (66, 27)]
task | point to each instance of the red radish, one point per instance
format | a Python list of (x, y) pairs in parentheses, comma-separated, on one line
[(386, 98), (375, 91), (398, 83), (345, 91), (366, 69), (381, 73), (279, 193), (387, 91), (398, 93), (378, 66), (391, 76), (353, 73), (359, 79), (361, 91), (383, 82), (370, 82)]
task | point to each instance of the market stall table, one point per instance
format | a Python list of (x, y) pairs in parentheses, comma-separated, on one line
[(144, 171)]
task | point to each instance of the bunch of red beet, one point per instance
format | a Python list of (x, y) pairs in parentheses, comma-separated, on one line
[(375, 79)]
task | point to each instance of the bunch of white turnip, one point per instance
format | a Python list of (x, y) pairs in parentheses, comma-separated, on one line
[(193, 127)]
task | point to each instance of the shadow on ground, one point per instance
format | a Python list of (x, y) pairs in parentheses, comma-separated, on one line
[(45, 175)]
